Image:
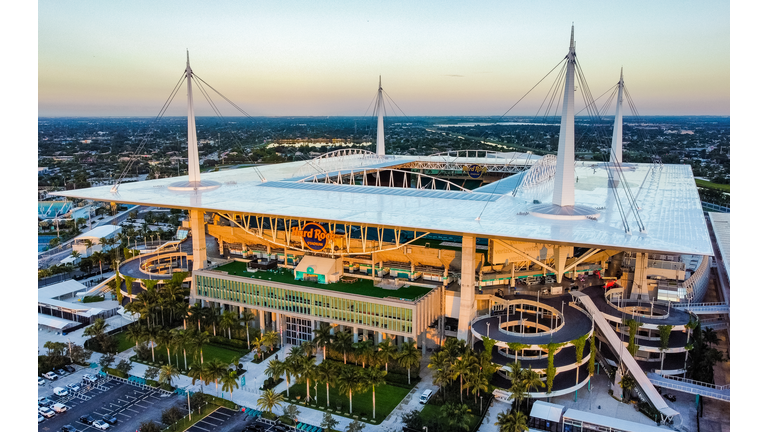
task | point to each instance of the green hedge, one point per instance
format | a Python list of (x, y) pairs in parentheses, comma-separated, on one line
[(92, 299), (269, 415), (229, 343), (115, 372)]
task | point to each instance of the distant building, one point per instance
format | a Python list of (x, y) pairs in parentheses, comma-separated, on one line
[(95, 235), (43, 170)]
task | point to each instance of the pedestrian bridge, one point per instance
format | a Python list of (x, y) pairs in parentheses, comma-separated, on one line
[(706, 308), (722, 393)]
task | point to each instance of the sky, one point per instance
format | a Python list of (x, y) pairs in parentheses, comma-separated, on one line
[(442, 58)]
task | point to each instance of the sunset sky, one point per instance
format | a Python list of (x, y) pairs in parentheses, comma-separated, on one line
[(100, 58)]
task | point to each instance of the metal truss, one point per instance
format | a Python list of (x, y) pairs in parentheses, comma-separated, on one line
[(353, 177), (496, 162), (543, 170), (339, 159), (278, 232)]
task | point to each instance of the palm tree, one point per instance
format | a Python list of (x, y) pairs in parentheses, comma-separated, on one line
[(176, 343), (96, 329), (198, 341), (269, 400), (709, 336), (323, 337), (164, 337), (386, 353), (455, 346), (372, 377), (246, 317), (458, 416), (477, 381), (135, 333), (305, 368), (626, 384), (440, 363), (167, 374), (364, 351), (307, 348), (348, 382), (664, 332), (150, 334), (460, 369), (257, 343), (216, 369), (531, 380), (271, 338), (342, 343), (228, 321), (229, 383), (197, 371), (326, 372), (275, 368), (75, 254), (510, 421), (409, 356), (196, 314)]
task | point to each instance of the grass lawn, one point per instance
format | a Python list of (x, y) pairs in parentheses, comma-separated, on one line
[(123, 343), (363, 287), (387, 398), (706, 184), (209, 353), (433, 412)]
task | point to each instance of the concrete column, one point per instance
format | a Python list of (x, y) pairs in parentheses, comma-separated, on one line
[(262, 326), (413, 270), (197, 229), (273, 322), (561, 255), (467, 309), (640, 285), (354, 334), (379, 337)]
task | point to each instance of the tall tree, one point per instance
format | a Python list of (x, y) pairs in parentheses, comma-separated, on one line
[(197, 371), (246, 317), (323, 337), (167, 374), (275, 368), (386, 353), (270, 399), (164, 337), (326, 372), (349, 383), (409, 357), (229, 383), (342, 344), (373, 377)]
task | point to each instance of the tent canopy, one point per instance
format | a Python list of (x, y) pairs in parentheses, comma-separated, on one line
[(547, 411)]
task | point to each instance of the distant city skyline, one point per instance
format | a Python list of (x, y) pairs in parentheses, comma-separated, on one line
[(324, 59)]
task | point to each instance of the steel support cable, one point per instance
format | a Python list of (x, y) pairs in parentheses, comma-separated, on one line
[(526, 93), (143, 142), (586, 94), (552, 90), (221, 118), (224, 97)]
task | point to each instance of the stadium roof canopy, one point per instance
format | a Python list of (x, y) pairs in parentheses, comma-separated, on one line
[(670, 209)]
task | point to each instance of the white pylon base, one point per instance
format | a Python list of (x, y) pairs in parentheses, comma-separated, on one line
[(554, 211), (202, 185)]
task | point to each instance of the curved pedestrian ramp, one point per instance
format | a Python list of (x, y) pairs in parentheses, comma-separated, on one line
[(643, 383), (722, 393)]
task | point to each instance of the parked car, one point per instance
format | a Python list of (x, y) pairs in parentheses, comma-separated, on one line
[(425, 396), (45, 411), (40, 418), (59, 408), (70, 368), (60, 391), (44, 401), (110, 419), (61, 372), (100, 424), (68, 428), (51, 376), (40, 381), (90, 379), (86, 419), (73, 387)]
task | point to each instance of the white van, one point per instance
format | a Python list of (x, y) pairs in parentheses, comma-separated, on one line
[(425, 396), (59, 408)]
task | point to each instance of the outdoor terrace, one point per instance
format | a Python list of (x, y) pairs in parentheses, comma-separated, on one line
[(363, 287)]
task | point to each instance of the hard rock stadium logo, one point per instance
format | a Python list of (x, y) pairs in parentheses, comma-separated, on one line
[(314, 236), (474, 171)]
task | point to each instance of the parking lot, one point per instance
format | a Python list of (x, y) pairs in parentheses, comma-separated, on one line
[(226, 420), (130, 405)]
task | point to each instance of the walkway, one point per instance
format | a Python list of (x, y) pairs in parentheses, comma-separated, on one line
[(634, 369), (722, 393), (719, 308)]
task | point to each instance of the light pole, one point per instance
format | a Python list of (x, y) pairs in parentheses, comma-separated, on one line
[(424, 428), (488, 329), (481, 404), (189, 406)]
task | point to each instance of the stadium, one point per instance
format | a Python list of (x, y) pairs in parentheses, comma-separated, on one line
[(549, 259)]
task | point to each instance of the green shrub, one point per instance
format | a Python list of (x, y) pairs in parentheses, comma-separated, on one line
[(269, 415), (92, 299), (229, 343)]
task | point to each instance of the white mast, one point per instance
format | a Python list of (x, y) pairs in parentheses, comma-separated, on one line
[(616, 148), (380, 127), (192, 157), (564, 177)]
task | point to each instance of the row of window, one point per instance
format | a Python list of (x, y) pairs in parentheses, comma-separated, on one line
[(319, 305)]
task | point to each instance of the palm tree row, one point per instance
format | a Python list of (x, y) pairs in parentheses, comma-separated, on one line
[(178, 340), (215, 371), (458, 361)]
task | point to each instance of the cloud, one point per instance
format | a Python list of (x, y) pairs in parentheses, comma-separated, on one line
[(455, 76)]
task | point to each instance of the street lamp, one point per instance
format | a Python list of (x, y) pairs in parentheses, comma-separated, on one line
[(488, 329), (425, 428)]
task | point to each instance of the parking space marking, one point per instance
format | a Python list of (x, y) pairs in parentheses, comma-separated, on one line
[(199, 427), (132, 410), (123, 414)]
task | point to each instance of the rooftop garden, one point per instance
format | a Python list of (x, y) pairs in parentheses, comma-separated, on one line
[(362, 287)]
